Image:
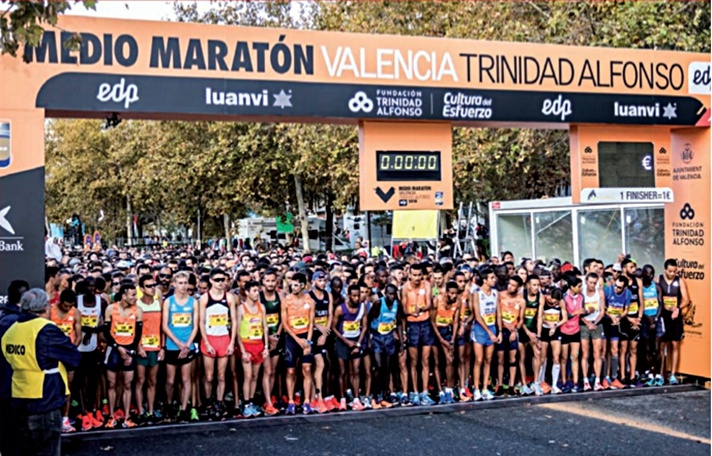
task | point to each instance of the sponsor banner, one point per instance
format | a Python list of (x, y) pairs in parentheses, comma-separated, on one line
[(22, 229), (204, 96), (687, 225), (627, 195)]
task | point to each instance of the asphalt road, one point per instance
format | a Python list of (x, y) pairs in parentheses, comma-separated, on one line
[(651, 425)]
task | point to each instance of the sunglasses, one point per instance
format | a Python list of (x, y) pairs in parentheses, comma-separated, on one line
[(149, 285), (165, 276), (218, 279), (116, 284)]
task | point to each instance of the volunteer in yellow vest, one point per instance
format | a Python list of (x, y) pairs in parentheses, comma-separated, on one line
[(511, 311), (66, 316), (38, 355), (253, 343), (122, 328), (150, 350)]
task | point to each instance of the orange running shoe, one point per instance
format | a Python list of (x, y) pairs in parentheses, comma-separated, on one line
[(616, 385), (375, 405), (128, 424), (97, 419), (331, 403), (111, 424), (545, 388), (604, 384), (356, 405), (87, 423), (119, 414), (298, 399), (320, 406), (385, 404), (342, 404), (465, 395), (105, 410), (270, 410)]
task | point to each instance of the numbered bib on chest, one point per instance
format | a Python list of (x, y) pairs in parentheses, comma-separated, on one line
[(182, 319)]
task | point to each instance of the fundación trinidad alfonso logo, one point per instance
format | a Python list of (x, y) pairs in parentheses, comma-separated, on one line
[(687, 213), (360, 102)]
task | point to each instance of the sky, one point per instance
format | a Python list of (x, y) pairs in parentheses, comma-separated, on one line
[(133, 9)]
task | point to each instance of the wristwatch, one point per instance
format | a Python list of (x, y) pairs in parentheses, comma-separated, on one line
[(358, 344)]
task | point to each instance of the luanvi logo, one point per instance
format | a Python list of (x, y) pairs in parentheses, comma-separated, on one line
[(118, 93), (361, 102), (558, 107)]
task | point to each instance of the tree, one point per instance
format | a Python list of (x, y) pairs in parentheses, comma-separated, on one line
[(23, 21)]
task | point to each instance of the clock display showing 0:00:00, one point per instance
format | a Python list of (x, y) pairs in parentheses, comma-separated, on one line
[(407, 166)]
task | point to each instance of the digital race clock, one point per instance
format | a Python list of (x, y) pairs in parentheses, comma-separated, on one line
[(398, 165)]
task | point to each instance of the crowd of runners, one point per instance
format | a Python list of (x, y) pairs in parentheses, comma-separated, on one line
[(190, 335)]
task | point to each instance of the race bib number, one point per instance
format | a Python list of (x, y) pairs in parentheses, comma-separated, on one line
[(217, 320), (66, 329), (352, 326), (181, 319), (615, 311), (490, 318), (150, 341), (651, 304), (90, 320), (123, 329), (386, 328), (254, 331), (508, 317), (530, 312), (272, 320), (321, 320), (633, 308), (591, 308), (443, 320), (670, 302), (298, 322), (551, 317)]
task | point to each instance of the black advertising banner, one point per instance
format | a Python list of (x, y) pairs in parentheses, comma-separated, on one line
[(22, 228), (220, 97)]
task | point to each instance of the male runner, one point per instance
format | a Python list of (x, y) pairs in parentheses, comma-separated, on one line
[(253, 344), (298, 323), (217, 312), (630, 325), (533, 300), (551, 317), (68, 319), (591, 330), (349, 325), (675, 299), (650, 327), (385, 321), (270, 299), (510, 312), (445, 320), (462, 341), (617, 302), (123, 328), (486, 332), (180, 327), (322, 324), (416, 296), (150, 350)]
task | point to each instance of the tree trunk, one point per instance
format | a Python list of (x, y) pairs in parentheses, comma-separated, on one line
[(200, 234), (329, 232), (226, 226), (302, 213), (129, 221)]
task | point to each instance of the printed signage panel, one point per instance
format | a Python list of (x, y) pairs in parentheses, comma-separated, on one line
[(405, 166)]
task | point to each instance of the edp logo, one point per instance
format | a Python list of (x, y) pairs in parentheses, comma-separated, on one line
[(699, 78), (119, 93), (557, 107)]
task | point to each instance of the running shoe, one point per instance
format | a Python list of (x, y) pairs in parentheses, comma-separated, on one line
[(526, 391), (566, 387), (270, 410), (393, 399), (128, 424), (555, 389), (605, 383), (537, 389), (387, 403), (183, 416), (597, 386), (376, 404), (465, 395), (425, 399), (586, 385), (67, 428), (651, 380), (366, 402), (499, 392), (672, 380), (356, 405), (273, 401), (331, 403), (321, 406), (87, 424), (97, 420), (194, 414), (414, 399), (405, 400), (517, 389), (659, 380), (290, 409), (307, 409), (487, 395), (298, 399), (576, 389), (111, 424), (105, 409), (616, 384), (632, 383), (342, 405), (477, 396), (119, 414), (441, 397), (545, 388)]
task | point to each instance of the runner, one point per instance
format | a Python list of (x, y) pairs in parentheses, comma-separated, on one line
[(253, 345), (591, 330), (510, 310), (617, 302), (533, 300), (322, 324), (550, 319), (298, 318), (675, 299), (485, 332), (571, 334), (445, 319), (67, 317), (349, 323), (651, 325), (150, 351), (630, 325), (269, 298), (123, 328), (417, 302), (367, 298), (179, 323), (385, 321), (217, 312)]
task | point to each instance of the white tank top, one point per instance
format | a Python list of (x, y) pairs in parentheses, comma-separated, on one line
[(488, 307), (90, 316), (590, 302)]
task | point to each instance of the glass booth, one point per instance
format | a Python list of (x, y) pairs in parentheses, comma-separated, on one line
[(557, 228)]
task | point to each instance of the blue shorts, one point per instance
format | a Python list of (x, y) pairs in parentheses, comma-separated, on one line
[(506, 344), (383, 343), (420, 334), (611, 331), (293, 351), (480, 336), (445, 333)]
